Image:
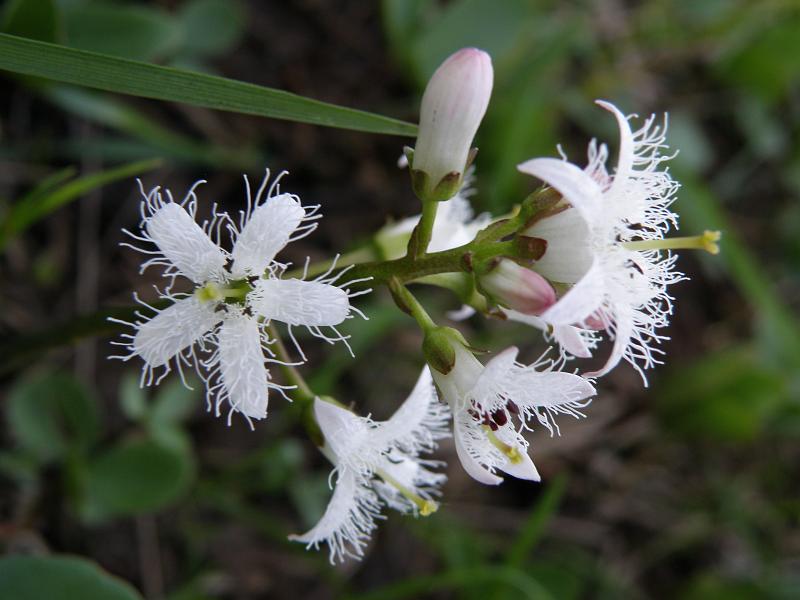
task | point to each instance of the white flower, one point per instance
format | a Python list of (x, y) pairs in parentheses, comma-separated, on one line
[(236, 294), (485, 399), (376, 463), (453, 106), (455, 224), (605, 241)]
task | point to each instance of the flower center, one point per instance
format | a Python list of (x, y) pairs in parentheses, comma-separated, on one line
[(426, 507), (707, 241), (234, 292), (512, 452)]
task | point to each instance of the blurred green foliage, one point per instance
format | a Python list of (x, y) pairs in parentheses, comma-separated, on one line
[(55, 420), (35, 578)]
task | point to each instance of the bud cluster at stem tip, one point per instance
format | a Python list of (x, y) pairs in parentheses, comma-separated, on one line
[(453, 105)]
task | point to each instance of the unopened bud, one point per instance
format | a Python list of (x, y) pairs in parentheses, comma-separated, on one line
[(453, 106), (517, 288)]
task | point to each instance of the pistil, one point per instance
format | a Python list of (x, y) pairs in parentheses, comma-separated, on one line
[(426, 507), (512, 452), (707, 241)]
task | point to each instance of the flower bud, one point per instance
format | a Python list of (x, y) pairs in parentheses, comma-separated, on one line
[(453, 106), (517, 288)]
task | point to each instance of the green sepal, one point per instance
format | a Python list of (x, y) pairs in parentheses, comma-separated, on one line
[(437, 347)]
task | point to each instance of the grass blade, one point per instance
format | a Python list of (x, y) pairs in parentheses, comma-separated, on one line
[(104, 72), (46, 198)]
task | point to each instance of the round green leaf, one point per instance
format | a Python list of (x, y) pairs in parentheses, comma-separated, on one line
[(132, 398), (51, 413), (38, 577), (138, 476), (175, 402), (128, 31), (210, 27)]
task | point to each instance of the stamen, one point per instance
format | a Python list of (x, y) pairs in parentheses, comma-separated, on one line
[(512, 452), (426, 507), (707, 241)]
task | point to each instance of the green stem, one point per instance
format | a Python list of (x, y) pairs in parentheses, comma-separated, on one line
[(302, 391), (423, 232), (408, 303)]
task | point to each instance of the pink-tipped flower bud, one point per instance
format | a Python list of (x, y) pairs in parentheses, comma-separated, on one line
[(517, 288), (453, 106)]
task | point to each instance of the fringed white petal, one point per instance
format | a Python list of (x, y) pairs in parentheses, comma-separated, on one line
[(575, 340), (419, 422), (173, 329), (623, 330), (584, 298), (569, 253), (297, 302), (625, 160), (576, 186), (184, 243), (488, 391), (243, 379), (544, 395), (265, 233), (349, 519), (347, 436), (472, 450)]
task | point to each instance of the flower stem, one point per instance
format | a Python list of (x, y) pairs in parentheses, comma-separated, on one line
[(408, 303), (302, 391), (423, 232)]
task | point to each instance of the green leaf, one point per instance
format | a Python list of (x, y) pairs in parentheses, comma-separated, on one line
[(175, 402), (59, 63), (132, 398), (139, 32), (41, 202), (532, 529), (35, 19), (210, 27), (54, 577), (138, 475), (50, 414)]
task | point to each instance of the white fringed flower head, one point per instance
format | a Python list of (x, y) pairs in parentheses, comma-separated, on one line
[(377, 463), (603, 242), (485, 400), (221, 324)]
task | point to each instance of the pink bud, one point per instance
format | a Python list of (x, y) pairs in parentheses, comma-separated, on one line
[(518, 288), (453, 106)]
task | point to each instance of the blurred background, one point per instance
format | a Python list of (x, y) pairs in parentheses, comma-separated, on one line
[(686, 489)]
